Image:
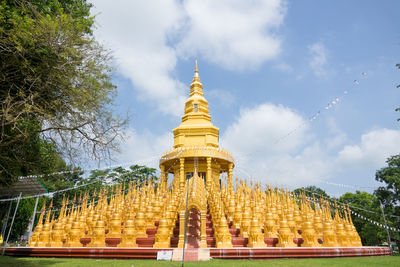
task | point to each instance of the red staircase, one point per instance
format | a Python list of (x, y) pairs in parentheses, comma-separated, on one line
[(210, 231), (175, 237), (193, 239), (237, 241), (193, 231)]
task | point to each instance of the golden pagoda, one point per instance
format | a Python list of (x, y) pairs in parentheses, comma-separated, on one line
[(196, 139), (200, 208)]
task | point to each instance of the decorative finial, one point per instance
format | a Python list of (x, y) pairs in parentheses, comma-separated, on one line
[(196, 70)]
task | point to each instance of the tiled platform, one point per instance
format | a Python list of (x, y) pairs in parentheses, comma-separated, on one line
[(107, 252), (299, 252), (228, 253)]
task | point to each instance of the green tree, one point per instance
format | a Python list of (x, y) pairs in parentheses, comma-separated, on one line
[(135, 173), (370, 233), (47, 160), (389, 193), (24, 214), (398, 86), (55, 86), (311, 191)]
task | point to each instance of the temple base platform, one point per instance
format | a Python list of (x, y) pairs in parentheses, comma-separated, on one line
[(204, 254)]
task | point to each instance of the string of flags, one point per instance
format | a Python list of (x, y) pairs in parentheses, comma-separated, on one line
[(95, 202), (348, 186), (243, 171), (66, 172), (88, 170), (375, 222), (361, 217), (370, 211), (351, 206), (95, 182), (314, 116), (53, 173), (49, 194)]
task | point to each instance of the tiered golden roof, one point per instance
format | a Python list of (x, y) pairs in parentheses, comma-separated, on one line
[(224, 214)]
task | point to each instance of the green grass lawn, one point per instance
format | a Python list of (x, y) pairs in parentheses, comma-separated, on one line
[(61, 262)]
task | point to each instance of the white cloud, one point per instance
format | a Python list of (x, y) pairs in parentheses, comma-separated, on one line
[(375, 147), (284, 67), (337, 137), (223, 97), (318, 59), (252, 140), (144, 148), (299, 160), (137, 32), (234, 34), (149, 37), (261, 127)]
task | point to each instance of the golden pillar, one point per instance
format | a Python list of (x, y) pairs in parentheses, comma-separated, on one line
[(164, 180), (203, 234), (182, 174), (230, 176), (217, 169), (181, 228), (209, 173)]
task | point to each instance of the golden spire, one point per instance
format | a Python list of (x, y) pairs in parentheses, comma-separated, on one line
[(196, 69), (196, 77)]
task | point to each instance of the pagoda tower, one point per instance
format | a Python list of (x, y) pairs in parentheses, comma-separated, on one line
[(196, 144)]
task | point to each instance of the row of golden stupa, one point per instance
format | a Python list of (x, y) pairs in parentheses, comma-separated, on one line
[(259, 214), (196, 163)]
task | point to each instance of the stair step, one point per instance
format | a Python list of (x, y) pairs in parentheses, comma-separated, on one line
[(239, 242), (271, 242), (174, 242), (211, 242), (210, 232), (146, 242)]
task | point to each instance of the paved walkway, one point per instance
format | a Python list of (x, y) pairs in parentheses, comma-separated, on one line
[(200, 254)]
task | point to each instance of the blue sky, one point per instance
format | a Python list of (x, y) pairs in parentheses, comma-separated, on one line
[(266, 67)]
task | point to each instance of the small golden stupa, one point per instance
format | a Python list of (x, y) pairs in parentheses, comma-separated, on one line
[(219, 213)]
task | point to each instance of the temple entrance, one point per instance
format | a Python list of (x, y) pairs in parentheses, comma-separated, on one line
[(193, 229)]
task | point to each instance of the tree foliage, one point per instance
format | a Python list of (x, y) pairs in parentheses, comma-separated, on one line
[(370, 233), (398, 86), (389, 193), (55, 85), (312, 191)]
